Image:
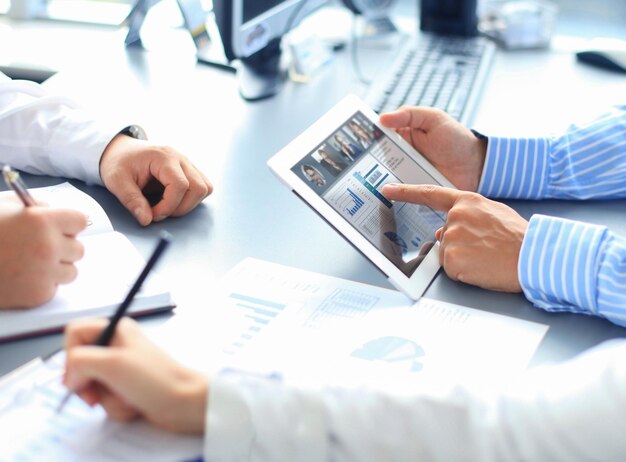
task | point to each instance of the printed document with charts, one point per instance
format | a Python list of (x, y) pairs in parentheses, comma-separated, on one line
[(302, 325), (109, 267)]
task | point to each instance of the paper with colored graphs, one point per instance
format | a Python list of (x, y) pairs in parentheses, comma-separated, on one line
[(306, 324), (31, 430)]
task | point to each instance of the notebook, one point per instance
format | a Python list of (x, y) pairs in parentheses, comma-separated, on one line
[(105, 274)]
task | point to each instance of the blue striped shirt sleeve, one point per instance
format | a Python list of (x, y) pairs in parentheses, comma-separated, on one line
[(587, 161), (566, 265)]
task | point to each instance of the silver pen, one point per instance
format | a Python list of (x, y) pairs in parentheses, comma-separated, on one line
[(13, 181)]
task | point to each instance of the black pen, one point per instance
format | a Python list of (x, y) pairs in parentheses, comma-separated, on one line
[(107, 333), (13, 181)]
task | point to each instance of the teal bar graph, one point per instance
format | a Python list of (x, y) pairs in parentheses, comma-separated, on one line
[(259, 312), (258, 301)]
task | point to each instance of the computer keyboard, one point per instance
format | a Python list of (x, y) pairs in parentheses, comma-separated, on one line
[(437, 71)]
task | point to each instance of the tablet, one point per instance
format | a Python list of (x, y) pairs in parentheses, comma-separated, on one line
[(339, 165)]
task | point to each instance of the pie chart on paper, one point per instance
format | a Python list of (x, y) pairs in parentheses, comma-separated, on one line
[(392, 349)]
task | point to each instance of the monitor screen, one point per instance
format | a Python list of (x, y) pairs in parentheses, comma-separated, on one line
[(252, 9), (251, 33), (449, 17)]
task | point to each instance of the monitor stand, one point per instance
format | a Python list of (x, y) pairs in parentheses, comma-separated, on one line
[(262, 74)]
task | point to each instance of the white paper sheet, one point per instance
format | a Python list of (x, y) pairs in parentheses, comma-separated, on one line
[(301, 323), (105, 273), (65, 195)]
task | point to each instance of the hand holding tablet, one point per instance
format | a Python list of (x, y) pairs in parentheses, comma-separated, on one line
[(453, 149), (339, 166)]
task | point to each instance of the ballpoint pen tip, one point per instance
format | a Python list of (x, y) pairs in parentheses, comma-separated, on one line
[(10, 175)]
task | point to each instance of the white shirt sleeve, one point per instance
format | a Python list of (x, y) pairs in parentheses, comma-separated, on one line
[(48, 134), (574, 412)]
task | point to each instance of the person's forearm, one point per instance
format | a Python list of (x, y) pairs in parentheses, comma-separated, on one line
[(45, 134), (572, 266), (587, 161), (252, 419), (573, 412)]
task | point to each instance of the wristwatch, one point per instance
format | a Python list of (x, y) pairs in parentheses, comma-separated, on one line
[(134, 131), (479, 135)]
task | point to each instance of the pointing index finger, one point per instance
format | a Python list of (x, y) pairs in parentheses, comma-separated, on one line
[(437, 197)]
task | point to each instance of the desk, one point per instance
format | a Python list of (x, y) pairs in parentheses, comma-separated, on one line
[(197, 110)]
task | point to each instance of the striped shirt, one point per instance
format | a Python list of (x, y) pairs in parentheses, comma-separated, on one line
[(566, 265)]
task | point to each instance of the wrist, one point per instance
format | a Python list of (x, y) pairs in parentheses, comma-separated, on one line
[(134, 131), (480, 153), (190, 398), (123, 137)]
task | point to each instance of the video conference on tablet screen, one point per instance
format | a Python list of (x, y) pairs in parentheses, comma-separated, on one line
[(348, 170)]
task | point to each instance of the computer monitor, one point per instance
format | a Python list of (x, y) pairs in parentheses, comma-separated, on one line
[(251, 32), (449, 17)]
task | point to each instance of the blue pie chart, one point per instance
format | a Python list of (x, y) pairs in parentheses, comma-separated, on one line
[(392, 349)]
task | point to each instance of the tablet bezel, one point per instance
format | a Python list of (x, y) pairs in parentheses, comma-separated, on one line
[(282, 162)]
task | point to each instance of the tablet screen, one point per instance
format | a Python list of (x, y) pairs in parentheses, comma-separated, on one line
[(348, 170)]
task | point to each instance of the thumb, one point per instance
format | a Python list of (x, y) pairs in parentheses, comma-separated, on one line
[(436, 197), (130, 195), (413, 117)]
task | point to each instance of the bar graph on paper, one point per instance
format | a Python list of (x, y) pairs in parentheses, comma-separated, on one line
[(259, 312), (294, 321), (339, 306)]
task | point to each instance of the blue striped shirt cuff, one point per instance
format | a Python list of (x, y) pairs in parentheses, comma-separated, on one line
[(559, 264), (516, 168), (612, 280)]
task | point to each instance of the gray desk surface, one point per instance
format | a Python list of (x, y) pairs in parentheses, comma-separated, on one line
[(197, 109)]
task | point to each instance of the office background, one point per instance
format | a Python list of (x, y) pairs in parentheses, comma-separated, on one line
[(197, 110)]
